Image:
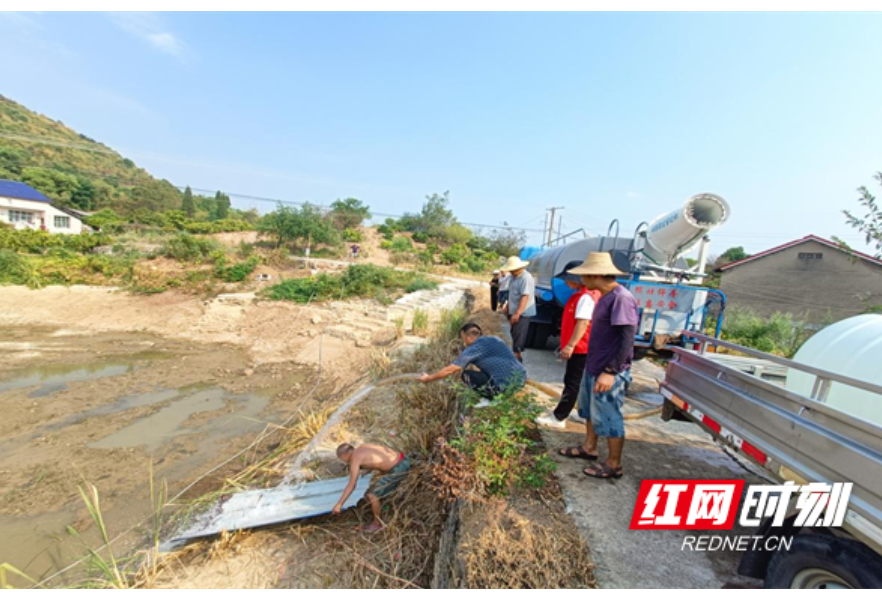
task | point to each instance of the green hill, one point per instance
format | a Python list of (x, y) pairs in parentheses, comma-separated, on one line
[(73, 169)]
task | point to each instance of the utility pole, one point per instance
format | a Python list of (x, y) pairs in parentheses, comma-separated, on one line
[(552, 209)]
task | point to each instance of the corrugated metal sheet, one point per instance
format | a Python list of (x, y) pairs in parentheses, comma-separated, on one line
[(255, 508)]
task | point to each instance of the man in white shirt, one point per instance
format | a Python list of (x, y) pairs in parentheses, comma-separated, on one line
[(575, 328)]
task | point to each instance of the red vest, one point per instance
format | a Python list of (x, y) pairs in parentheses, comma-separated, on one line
[(568, 321)]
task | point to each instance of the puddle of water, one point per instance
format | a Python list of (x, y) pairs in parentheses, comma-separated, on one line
[(45, 549), (55, 379), (122, 404), (154, 430)]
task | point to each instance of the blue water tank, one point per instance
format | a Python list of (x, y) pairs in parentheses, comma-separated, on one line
[(527, 252)]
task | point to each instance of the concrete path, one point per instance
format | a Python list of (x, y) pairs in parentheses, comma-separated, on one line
[(602, 509)]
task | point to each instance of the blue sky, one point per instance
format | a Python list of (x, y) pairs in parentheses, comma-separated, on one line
[(610, 115)]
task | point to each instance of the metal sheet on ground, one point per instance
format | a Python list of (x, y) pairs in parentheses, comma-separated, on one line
[(256, 508)]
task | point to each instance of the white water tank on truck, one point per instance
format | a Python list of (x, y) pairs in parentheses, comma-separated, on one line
[(671, 235), (850, 347)]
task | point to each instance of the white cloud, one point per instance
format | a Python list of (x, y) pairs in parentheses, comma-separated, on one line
[(150, 28), (20, 20)]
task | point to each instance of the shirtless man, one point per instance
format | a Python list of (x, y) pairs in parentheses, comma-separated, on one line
[(392, 463)]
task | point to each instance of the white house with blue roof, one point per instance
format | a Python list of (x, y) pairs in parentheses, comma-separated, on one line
[(26, 208)]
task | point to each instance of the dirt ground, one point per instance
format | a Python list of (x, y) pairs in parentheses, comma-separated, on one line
[(102, 408), (97, 384), (266, 331)]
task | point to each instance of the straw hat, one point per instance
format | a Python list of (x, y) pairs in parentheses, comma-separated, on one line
[(597, 263), (514, 263)]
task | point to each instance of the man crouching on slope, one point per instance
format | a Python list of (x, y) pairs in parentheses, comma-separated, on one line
[(392, 463)]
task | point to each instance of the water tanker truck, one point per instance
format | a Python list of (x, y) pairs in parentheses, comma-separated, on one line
[(670, 297)]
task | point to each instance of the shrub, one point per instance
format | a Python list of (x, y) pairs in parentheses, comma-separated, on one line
[(237, 272), (353, 235), (500, 444), (361, 280), (455, 254), (780, 334), (36, 241), (187, 248), (15, 268), (473, 264), (401, 244), (421, 282), (420, 237)]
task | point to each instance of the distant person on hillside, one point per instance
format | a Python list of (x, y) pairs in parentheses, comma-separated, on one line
[(355, 248)]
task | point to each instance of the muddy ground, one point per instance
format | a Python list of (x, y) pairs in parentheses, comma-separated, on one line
[(101, 409), (97, 384)]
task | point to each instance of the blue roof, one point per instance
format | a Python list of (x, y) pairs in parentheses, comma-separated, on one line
[(22, 191)]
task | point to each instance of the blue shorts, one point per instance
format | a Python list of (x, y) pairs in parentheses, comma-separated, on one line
[(604, 410)]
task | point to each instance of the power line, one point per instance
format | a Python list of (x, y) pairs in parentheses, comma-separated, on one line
[(376, 214), (89, 148)]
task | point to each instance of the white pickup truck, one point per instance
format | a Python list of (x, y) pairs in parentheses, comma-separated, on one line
[(790, 437)]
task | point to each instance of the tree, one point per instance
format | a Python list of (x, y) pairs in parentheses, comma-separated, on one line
[(349, 213), (222, 205), (871, 224), (154, 196), (187, 203), (506, 242), (287, 224), (730, 256), (55, 184), (458, 234), (11, 160), (435, 218), (83, 196)]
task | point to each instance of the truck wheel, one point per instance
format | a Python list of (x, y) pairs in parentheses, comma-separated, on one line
[(537, 335), (824, 562)]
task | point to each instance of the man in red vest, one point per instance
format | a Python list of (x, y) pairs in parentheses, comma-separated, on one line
[(575, 328)]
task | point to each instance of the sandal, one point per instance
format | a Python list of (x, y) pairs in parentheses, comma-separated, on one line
[(576, 452), (603, 471)]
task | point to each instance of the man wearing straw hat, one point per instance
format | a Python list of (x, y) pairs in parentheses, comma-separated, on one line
[(521, 302), (607, 366)]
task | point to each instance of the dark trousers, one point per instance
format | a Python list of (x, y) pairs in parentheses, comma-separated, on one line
[(572, 381), (494, 298), (519, 333), (480, 382)]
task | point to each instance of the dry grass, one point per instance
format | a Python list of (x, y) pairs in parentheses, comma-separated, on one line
[(514, 552), (326, 551), (399, 327)]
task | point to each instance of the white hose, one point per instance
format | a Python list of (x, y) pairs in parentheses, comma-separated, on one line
[(295, 472)]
